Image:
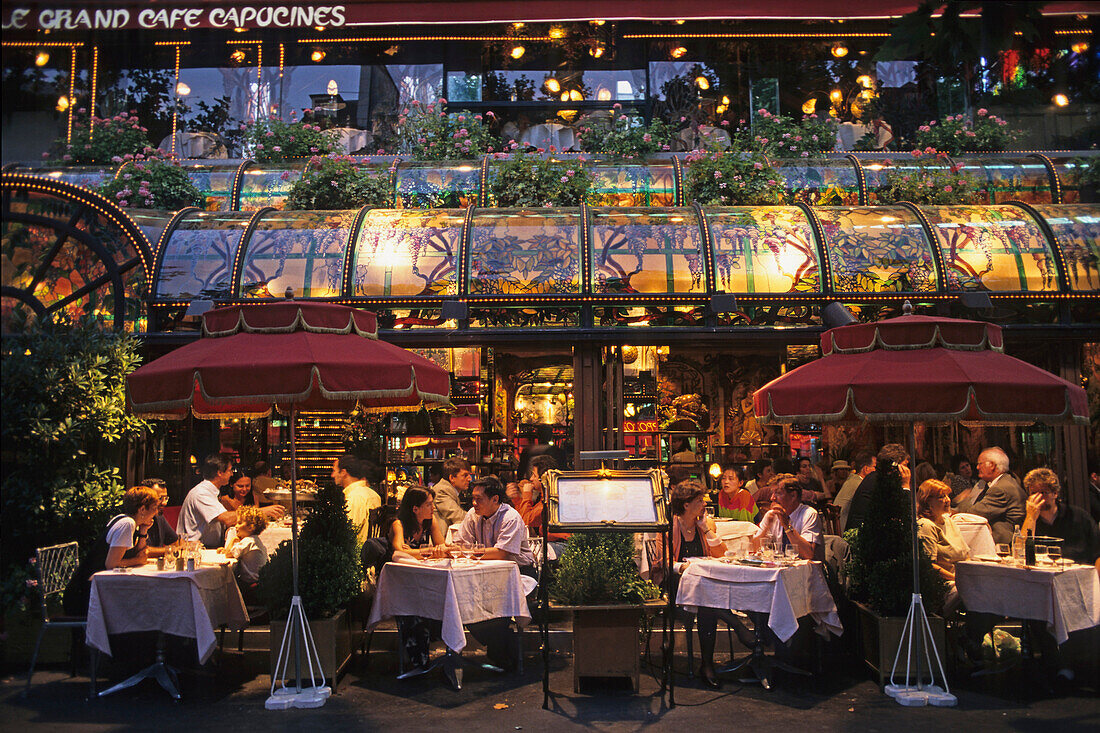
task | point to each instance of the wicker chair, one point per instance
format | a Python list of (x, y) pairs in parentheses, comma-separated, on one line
[(55, 567)]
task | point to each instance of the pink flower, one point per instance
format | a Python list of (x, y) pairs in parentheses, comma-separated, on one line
[(947, 189), (66, 157), (123, 203), (983, 112), (758, 166), (683, 119), (313, 149), (647, 137), (565, 179), (616, 106), (915, 153), (270, 133), (725, 123), (442, 100), (717, 174)]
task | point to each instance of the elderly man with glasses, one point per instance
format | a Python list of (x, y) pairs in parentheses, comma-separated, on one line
[(998, 496)]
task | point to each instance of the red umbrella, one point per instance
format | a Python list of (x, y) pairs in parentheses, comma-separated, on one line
[(918, 369), (288, 355), (309, 356)]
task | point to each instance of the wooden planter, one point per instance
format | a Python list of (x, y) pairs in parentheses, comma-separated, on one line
[(336, 638), (880, 636), (605, 642)]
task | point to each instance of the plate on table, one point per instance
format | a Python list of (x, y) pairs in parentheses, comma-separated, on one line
[(986, 558)]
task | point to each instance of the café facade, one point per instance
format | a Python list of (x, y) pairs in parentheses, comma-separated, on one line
[(643, 321)]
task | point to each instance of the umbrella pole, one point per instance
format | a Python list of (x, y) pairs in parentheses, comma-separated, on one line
[(294, 543)]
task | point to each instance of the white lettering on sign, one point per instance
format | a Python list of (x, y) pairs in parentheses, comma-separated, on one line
[(244, 16)]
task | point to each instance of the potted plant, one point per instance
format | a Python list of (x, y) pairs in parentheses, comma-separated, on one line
[(623, 138), (880, 574), (956, 134), (100, 141), (272, 140), (330, 580), (151, 180), (428, 132), (524, 180), (598, 582), (334, 182), (932, 181), (732, 179)]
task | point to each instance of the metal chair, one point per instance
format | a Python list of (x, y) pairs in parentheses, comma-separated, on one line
[(830, 519), (55, 566)]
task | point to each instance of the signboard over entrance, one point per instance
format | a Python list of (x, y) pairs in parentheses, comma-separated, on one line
[(182, 17)]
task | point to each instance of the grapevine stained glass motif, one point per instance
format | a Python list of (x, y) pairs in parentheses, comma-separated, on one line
[(303, 251), (992, 248), (882, 249), (1077, 230), (767, 249), (639, 184), (656, 251), (407, 253), (525, 252), (199, 254)]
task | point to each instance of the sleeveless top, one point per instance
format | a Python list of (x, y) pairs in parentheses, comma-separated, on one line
[(693, 548)]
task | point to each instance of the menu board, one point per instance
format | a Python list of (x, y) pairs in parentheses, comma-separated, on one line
[(606, 499)]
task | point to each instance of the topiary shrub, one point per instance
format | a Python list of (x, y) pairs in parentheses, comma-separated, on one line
[(880, 567), (329, 571), (597, 568)]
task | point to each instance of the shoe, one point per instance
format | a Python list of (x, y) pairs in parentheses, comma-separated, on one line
[(709, 678)]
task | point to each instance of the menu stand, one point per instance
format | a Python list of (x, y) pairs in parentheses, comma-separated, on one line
[(606, 500)]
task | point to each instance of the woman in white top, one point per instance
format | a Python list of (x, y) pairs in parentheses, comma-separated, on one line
[(126, 533)]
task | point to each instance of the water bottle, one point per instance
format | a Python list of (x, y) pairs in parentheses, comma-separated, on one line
[(1017, 546)]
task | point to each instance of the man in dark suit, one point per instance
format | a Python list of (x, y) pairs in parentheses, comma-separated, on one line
[(889, 454), (998, 496)]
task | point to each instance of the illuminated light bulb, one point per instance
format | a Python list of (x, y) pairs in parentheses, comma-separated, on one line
[(715, 470), (182, 89), (332, 88), (864, 81), (237, 56), (517, 52), (1079, 47), (62, 104), (565, 96), (809, 106), (726, 101), (1060, 99), (702, 82), (680, 22), (575, 95), (238, 29), (866, 95), (720, 109), (597, 51), (836, 96), (391, 476), (41, 58), (553, 85), (557, 32), (518, 26), (597, 22), (604, 95), (839, 50), (317, 56), (678, 52), (319, 28)]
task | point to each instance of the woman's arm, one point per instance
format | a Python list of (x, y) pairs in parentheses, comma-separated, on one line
[(713, 546), (115, 557), (947, 574), (438, 535)]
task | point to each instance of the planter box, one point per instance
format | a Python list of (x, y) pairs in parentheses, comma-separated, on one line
[(880, 636), (606, 641), (336, 638)]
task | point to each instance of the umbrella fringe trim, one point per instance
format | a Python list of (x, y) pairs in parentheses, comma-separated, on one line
[(298, 324), (150, 409), (1066, 417), (937, 340)]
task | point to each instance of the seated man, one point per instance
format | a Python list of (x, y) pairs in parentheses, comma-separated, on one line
[(789, 522), (1048, 516), (349, 474), (499, 528), (202, 516), (456, 478), (997, 496), (891, 453), (530, 503), (161, 533)]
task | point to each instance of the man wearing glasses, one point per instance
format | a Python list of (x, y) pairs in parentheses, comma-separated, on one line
[(998, 496)]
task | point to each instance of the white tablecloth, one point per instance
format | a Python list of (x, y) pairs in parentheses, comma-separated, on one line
[(786, 594), (543, 136), (185, 603), (456, 594), (275, 534), (1068, 600), (976, 533)]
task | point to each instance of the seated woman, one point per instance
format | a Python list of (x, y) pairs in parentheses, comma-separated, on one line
[(243, 542), (121, 546), (691, 539), (734, 502), (413, 533), (937, 531), (238, 492)]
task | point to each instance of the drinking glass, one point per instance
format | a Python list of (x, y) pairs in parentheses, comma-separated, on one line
[(477, 550), (1042, 554), (791, 552), (1003, 550), (767, 550), (1055, 554)]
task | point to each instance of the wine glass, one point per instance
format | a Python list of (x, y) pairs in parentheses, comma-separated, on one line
[(1003, 550), (477, 550), (1054, 552)]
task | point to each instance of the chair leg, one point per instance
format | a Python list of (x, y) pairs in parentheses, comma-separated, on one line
[(689, 625), (34, 658)]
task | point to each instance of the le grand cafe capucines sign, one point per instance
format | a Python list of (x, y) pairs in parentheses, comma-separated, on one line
[(215, 15)]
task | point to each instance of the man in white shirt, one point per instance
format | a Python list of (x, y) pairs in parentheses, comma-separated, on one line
[(790, 522), (496, 525), (348, 472), (202, 516), (862, 464)]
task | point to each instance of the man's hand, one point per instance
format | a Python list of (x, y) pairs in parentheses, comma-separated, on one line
[(903, 469), (274, 512), (780, 515), (1034, 505)]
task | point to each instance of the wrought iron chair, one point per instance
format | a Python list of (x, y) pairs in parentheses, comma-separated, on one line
[(55, 567)]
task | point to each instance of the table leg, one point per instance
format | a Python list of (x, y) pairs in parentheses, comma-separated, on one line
[(158, 670), (758, 661)]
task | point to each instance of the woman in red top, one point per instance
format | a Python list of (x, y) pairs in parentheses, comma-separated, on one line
[(734, 501)]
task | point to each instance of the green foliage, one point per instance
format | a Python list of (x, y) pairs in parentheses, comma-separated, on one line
[(330, 574), (98, 140), (934, 180), (64, 406), (624, 138), (429, 133), (956, 134), (525, 180), (274, 141), (732, 179), (597, 568), (335, 182), (777, 136), (1085, 171), (152, 181), (880, 567)]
